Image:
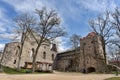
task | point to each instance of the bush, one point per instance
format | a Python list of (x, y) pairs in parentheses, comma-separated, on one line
[(1, 71), (28, 71), (111, 68)]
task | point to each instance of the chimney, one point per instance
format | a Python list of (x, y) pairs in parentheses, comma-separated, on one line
[(54, 48)]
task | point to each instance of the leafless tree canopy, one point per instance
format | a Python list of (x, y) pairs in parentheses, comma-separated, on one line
[(116, 26), (46, 22), (48, 28), (102, 26), (116, 21), (25, 24), (75, 40)]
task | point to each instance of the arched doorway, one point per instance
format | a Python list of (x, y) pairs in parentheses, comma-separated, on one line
[(90, 69)]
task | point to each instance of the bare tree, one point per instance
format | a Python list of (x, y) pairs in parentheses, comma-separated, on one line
[(115, 54), (25, 23), (116, 26), (47, 30), (75, 40), (1, 59), (102, 27)]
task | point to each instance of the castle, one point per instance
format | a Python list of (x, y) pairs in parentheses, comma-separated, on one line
[(87, 58), (44, 60)]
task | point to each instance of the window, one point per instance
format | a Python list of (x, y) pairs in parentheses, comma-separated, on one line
[(84, 44), (44, 55), (44, 46), (14, 61), (92, 42), (17, 51), (52, 56), (32, 53)]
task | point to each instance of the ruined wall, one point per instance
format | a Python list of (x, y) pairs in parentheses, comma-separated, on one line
[(1, 53), (65, 61), (12, 51), (90, 56), (29, 50), (91, 53), (10, 54)]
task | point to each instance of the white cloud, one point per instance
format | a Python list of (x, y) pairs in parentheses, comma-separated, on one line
[(3, 19), (2, 11), (6, 27), (97, 5), (71, 9), (67, 9), (27, 5), (61, 44), (30, 6), (2, 47), (7, 36)]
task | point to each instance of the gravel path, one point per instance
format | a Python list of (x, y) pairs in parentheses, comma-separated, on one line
[(56, 76)]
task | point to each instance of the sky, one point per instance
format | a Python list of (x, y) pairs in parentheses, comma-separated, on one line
[(74, 15)]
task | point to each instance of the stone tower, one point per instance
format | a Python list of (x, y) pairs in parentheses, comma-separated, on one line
[(91, 53), (54, 48)]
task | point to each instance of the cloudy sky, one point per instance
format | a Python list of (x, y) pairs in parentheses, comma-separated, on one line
[(74, 14)]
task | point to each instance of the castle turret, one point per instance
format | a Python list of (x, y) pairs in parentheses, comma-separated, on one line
[(54, 48), (91, 53)]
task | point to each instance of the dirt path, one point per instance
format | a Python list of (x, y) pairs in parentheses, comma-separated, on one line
[(56, 76)]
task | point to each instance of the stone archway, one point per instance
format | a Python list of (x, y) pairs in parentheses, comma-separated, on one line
[(90, 69)]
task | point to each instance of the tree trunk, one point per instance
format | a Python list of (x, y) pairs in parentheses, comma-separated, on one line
[(19, 57), (104, 52), (1, 61), (34, 58)]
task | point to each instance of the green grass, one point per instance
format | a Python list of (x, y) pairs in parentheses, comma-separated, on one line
[(13, 71), (113, 78), (8, 70)]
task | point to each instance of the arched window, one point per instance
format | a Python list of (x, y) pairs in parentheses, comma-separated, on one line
[(52, 56), (32, 53), (44, 55), (14, 61), (17, 51)]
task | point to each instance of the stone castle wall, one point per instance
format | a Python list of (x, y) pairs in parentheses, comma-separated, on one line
[(45, 54), (91, 53), (90, 56), (63, 60), (9, 54)]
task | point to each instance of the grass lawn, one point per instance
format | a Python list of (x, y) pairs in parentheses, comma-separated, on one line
[(13, 71), (8, 70), (113, 78)]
